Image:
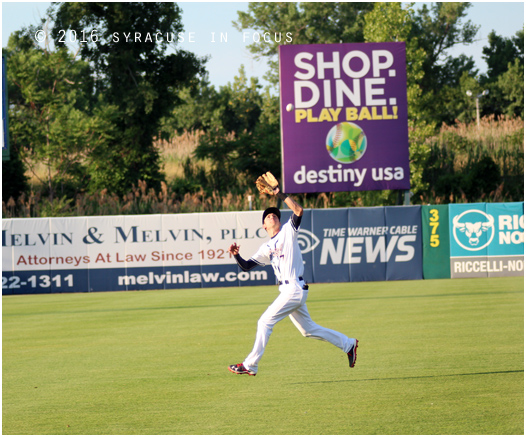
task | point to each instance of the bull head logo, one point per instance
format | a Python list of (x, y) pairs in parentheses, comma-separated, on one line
[(473, 230)]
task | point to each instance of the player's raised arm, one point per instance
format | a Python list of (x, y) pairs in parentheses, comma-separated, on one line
[(268, 184), (296, 208)]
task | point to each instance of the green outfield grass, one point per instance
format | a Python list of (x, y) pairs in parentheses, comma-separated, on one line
[(435, 357)]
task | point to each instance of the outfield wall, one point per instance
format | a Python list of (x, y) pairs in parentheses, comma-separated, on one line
[(114, 253)]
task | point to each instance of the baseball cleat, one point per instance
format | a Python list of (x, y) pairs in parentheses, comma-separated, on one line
[(240, 369), (352, 355)]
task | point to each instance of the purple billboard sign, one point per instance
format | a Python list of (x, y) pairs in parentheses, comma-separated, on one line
[(344, 117)]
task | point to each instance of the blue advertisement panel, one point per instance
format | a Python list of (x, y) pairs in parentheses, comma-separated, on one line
[(404, 224), (374, 245), (366, 244), (144, 278), (330, 226), (506, 251), (487, 240), (187, 277), (509, 225)]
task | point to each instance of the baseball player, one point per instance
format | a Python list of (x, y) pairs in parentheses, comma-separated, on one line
[(283, 252)]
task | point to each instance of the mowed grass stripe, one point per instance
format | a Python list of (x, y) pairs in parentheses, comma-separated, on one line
[(312, 299), (435, 357)]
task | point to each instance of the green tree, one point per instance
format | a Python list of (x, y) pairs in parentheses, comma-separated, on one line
[(14, 180), (500, 52), (465, 107), (50, 124), (437, 29), (305, 22), (138, 78), (518, 40), (505, 75), (241, 134), (234, 140), (199, 109), (390, 22), (511, 85)]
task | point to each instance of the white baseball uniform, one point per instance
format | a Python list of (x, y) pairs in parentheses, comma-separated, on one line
[(283, 252)]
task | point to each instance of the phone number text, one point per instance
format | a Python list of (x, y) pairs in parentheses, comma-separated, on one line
[(37, 281)]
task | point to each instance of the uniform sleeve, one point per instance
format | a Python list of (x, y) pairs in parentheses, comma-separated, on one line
[(295, 221), (244, 264), (262, 256)]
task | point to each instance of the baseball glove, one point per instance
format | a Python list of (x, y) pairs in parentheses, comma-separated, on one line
[(267, 183)]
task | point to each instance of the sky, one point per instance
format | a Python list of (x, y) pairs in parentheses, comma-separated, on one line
[(206, 23)]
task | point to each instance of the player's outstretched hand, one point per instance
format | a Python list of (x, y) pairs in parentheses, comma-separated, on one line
[(267, 184), (271, 180), (233, 249)]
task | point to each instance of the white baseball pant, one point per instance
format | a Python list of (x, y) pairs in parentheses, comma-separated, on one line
[(291, 302)]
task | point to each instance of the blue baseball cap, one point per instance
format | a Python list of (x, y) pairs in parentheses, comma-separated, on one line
[(271, 210)]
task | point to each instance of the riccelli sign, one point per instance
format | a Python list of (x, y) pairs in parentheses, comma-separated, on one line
[(487, 239)]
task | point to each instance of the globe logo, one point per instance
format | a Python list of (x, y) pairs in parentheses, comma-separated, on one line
[(346, 142)]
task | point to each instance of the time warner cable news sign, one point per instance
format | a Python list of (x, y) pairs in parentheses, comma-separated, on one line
[(344, 117)]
